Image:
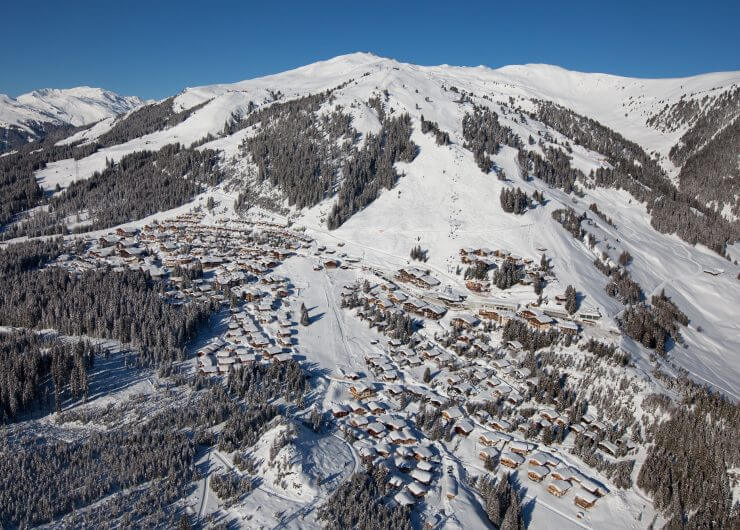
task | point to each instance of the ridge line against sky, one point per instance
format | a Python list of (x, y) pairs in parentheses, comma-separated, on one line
[(156, 49)]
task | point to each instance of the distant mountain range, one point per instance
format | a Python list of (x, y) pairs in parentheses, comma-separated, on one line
[(30, 116)]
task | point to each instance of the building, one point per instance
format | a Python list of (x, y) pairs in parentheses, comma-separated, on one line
[(585, 499), (537, 473), (511, 460), (558, 488), (360, 390)]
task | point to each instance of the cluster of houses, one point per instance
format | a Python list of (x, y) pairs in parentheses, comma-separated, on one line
[(389, 299), (247, 341), (418, 277), (231, 261), (226, 258), (387, 436), (235, 261)]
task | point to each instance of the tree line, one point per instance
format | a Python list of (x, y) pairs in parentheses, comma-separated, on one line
[(140, 184)]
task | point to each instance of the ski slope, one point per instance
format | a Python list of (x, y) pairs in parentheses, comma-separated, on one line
[(444, 202)]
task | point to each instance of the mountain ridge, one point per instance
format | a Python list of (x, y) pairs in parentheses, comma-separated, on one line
[(30, 116)]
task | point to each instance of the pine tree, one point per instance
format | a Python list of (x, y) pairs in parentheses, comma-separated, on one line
[(571, 300), (305, 321)]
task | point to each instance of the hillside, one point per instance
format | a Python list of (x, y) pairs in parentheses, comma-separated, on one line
[(444, 201), (428, 270)]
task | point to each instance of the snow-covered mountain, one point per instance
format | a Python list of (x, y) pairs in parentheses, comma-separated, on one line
[(28, 115), (527, 191), (444, 199)]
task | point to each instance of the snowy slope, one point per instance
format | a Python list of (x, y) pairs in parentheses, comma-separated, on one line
[(73, 106), (444, 202)]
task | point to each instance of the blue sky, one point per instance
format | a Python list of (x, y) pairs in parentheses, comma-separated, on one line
[(156, 48)]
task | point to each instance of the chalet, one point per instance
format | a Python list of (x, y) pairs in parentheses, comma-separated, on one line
[(394, 390), (247, 359), (339, 411), (383, 449), (403, 437), (450, 485), (358, 421), (558, 488), (577, 428), (397, 297), (452, 413), (108, 240), (489, 313), (132, 252), (331, 263), (394, 424), (488, 453), (478, 286), (511, 460), (465, 321), (593, 488), (376, 429), (564, 473), (366, 452), (521, 448), (569, 328), (450, 299), (414, 306), (433, 311), (361, 390), (357, 407), (585, 499), (537, 473), (126, 232), (405, 498), (422, 454), (515, 345), (403, 452), (488, 439), (541, 322), (416, 489), (599, 426), (464, 427), (282, 357), (609, 447), (423, 477), (501, 424)]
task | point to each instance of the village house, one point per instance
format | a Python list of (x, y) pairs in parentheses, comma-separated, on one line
[(416, 489), (452, 413), (478, 286), (464, 427), (404, 498), (465, 321), (360, 390), (537, 473), (511, 460), (423, 477), (558, 488), (488, 453), (585, 499)]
